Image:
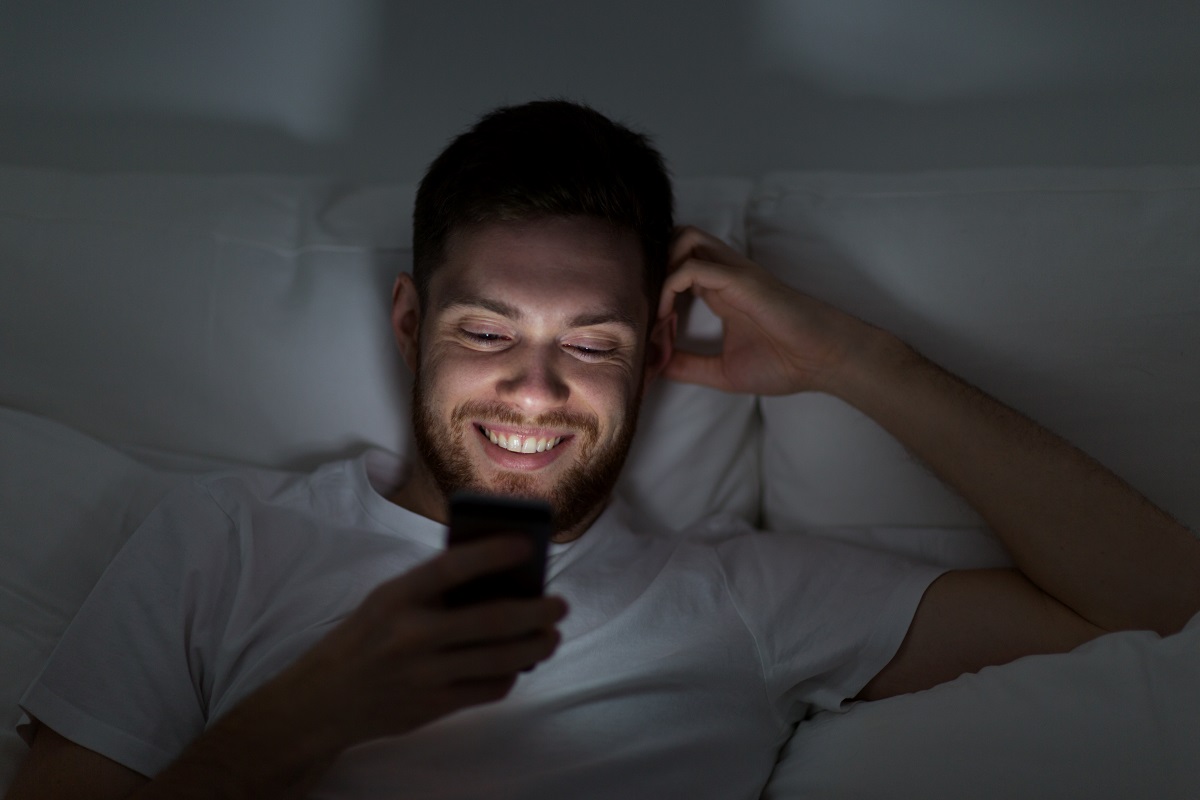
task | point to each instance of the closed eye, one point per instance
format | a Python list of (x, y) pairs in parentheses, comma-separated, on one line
[(483, 337), (590, 353)]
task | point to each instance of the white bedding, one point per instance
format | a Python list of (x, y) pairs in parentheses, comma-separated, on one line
[(1116, 718), (69, 502), (189, 321)]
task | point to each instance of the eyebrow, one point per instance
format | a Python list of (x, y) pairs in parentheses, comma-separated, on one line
[(601, 317), (495, 306)]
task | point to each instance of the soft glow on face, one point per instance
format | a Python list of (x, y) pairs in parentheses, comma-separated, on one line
[(531, 364), (574, 497)]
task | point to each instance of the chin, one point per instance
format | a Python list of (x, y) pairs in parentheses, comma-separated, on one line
[(515, 484), (572, 506), (576, 477)]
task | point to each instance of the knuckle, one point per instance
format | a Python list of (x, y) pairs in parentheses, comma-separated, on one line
[(511, 620), (530, 616), (423, 674), (407, 635), (493, 616)]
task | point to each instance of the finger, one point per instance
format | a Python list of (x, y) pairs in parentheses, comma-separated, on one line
[(689, 243), (497, 620), (692, 242), (457, 565), (704, 370), (683, 241), (497, 660), (470, 693), (693, 275)]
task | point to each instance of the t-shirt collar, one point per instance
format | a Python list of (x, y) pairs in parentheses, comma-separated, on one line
[(377, 474)]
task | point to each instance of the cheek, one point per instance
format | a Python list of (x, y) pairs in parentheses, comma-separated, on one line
[(449, 373), (607, 392), (453, 375)]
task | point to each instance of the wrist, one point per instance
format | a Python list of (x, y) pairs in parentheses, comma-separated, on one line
[(870, 358)]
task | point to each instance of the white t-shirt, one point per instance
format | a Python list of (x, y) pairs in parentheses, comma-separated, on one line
[(686, 659)]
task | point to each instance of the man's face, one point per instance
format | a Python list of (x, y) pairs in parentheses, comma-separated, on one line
[(530, 363)]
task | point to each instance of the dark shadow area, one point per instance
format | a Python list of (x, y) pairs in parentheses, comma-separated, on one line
[(691, 74)]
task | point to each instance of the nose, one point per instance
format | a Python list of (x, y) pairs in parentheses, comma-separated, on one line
[(532, 381)]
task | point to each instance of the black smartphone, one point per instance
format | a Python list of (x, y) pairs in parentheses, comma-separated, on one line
[(475, 516)]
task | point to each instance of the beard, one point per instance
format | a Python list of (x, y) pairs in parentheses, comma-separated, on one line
[(580, 492)]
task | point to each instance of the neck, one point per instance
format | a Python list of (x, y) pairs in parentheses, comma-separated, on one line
[(421, 495)]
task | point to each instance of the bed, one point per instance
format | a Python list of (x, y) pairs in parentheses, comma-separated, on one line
[(154, 326)]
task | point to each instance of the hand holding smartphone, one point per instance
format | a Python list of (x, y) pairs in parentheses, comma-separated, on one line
[(474, 516)]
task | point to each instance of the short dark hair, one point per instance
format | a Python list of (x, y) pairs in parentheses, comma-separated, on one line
[(548, 158)]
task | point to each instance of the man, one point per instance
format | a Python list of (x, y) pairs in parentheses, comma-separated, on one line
[(284, 637)]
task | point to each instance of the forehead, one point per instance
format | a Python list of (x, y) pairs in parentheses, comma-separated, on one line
[(555, 263)]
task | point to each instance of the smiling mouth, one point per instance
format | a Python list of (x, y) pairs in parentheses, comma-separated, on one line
[(515, 443)]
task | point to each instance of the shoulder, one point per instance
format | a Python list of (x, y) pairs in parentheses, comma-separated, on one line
[(807, 570), (245, 495), (718, 528), (248, 485), (215, 510)]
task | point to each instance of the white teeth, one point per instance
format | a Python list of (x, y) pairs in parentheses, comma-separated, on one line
[(517, 444)]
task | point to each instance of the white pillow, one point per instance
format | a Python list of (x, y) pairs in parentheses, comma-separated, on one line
[(245, 319), (232, 317), (697, 449), (1115, 719), (68, 504), (1068, 294)]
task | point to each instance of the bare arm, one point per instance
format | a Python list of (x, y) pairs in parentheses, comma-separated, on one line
[(1074, 529), (1093, 555), (254, 752), (398, 662), (57, 767)]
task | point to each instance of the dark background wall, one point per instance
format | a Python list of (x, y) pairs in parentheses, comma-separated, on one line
[(372, 89)]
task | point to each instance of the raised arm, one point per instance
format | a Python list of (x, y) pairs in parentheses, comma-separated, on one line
[(1093, 554)]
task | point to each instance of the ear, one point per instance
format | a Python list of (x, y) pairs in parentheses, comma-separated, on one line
[(659, 346), (406, 319)]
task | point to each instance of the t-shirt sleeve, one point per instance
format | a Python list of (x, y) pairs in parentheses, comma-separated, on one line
[(826, 616), (130, 677)]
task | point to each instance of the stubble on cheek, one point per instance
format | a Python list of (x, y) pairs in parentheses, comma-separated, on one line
[(575, 496)]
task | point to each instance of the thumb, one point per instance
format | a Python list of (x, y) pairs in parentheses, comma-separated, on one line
[(699, 369)]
